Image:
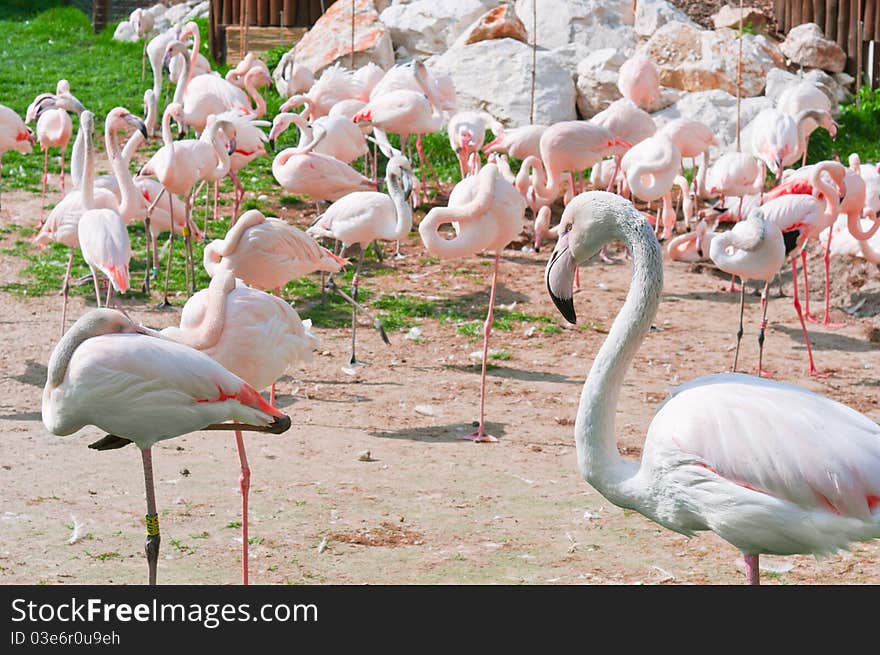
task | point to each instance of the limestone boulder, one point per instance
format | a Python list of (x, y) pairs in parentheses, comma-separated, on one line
[(499, 23), (806, 46), (592, 24), (692, 59), (728, 16), (329, 39), (125, 32), (651, 15), (596, 81), (503, 89), (428, 27)]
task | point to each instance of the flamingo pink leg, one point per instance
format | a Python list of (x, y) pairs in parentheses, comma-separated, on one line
[(762, 326), (424, 158), (807, 314), (797, 307), (480, 435), (62, 172), (45, 175), (614, 174), (826, 258), (65, 290), (244, 482), (753, 572)]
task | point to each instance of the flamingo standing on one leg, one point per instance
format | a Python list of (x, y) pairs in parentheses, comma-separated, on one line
[(14, 135), (254, 335), (142, 388), (487, 213), (753, 249), (358, 219), (721, 453)]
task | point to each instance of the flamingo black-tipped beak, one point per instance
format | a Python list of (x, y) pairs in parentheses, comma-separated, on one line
[(138, 123), (271, 145), (559, 277), (230, 147), (407, 186), (279, 424)]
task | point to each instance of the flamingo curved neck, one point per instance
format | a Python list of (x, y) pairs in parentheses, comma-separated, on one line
[(223, 158), (598, 457), (88, 176), (183, 82), (402, 208), (130, 198), (251, 89), (207, 334), (190, 70), (545, 189)]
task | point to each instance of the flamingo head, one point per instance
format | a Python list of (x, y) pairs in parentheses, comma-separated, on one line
[(364, 115)]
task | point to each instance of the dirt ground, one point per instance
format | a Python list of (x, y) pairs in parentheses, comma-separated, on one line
[(428, 507)]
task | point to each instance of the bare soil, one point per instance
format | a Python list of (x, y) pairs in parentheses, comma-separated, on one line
[(424, 506)]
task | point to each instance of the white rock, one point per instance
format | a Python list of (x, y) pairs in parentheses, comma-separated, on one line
[(503, 89), (592, 23), (717, 109), (597, 81), (157, 9), (125, 32), (806, 45), (429, 27), (177, 13), (651, 15), (200, 10)]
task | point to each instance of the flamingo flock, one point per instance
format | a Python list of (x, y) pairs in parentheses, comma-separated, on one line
[(769, 467)]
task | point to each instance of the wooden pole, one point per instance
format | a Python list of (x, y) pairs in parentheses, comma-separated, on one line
[(831, 20), (859, 28), (241, 12), (351, 60), (842, 22), (534, 59), (739, 78), (819, 13)]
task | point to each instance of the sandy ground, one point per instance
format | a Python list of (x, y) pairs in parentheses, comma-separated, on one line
[(428, 507)]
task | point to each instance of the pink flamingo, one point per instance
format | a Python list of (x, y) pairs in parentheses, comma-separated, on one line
[(755, 249), (778, 139), (519, 142), (651, 168), (639, 81), (692, 138), (799, 217), (405, 111), (360, 218), (249, 145), (205, 95), (236, 75), (734, 174), (267, 253), (218, 321), (302, 171), (486, 212), (54, 127), (199, 64), (180, 165), (467, 132), (293, 78), (569, 146), (14, 135), (719, 454), (824, 180), (627, 122), (798, 97), (142, 389), (692, 247), (343, 139), (334, 85)]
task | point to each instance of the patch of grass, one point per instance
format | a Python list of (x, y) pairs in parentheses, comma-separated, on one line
[(550, 329), (255, 541), (103, 557), (233, 524), (501, 355), (201, 535), (857, 131), (182, 547)]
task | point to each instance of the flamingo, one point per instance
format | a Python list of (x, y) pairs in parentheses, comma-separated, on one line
[(252, 334), (179, 165), (343, 139), (719, 454), (202, 96), (487, 213), (778, 139), (198, 63), (467, 132), (236, 75), (734, 174), (798, 97), (302, 171), (334, 85), (249, 140), (519, 142), (142, 22), (54, 127), (692, 138), (569, 146), (360, 218), (753, 249), (14, 135), (294, 78), (639, 81), (651, 168), (627, 122), (141, 388), (692, 247), (825, 180), (267, 253)]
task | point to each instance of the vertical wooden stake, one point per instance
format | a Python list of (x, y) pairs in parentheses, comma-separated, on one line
[(739, 77), (351, 60), (534, 59)]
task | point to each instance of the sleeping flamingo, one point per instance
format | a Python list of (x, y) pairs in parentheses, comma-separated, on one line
[(486, 212), (719, 455), (639, 81), (223, 321), (360, 218), (142, 389), (294, 78)]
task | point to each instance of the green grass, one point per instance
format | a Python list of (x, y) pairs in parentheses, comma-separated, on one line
[(857, 132)]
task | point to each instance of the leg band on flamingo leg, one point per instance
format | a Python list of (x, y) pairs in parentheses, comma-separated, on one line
[(152, 519)]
